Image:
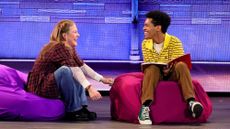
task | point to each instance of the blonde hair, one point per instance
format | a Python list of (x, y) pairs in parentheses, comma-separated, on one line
[(62, 27), (56, 36)]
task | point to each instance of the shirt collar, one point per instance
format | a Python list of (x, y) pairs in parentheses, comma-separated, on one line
[(149, 42)]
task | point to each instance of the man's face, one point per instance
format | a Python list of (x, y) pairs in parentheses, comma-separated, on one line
[(149, 29)]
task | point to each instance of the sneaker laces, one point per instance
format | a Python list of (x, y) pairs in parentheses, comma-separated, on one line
[(145, 113)]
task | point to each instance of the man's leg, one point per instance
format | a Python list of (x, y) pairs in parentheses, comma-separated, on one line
[(181, 74), (150, 80)]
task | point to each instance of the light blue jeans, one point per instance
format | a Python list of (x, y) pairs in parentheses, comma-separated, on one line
[(72, 92)]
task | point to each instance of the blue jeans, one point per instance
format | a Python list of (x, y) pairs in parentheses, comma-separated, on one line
[(72, 92)]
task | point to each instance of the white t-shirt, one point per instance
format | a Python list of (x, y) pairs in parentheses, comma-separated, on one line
[(158, 46)]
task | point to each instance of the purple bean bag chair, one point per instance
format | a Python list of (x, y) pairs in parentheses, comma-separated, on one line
[(168, 107), (17, 104)]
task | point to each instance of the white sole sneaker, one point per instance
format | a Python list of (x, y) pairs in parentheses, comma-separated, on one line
[(196, 109), (145, 122)]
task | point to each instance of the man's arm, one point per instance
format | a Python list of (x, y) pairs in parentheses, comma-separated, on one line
[(178, 49)]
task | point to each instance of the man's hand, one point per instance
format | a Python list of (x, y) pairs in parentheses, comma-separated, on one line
[(167, 69), (93, 93)]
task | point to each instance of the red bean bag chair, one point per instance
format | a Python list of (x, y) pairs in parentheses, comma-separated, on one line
[(168, 107)]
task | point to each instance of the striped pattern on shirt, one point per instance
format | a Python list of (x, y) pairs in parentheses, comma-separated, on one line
[(172, 49)]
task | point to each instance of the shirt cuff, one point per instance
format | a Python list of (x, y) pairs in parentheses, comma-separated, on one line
[(98, 77), (85, 83)]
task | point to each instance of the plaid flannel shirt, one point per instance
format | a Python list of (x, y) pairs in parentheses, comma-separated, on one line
[(41, 79)]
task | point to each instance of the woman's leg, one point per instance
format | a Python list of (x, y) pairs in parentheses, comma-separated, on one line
[(72, 93)]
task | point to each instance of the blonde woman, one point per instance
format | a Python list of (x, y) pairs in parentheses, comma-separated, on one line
[(59, 72)]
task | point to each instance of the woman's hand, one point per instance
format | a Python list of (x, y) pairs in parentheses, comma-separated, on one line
[(107, 81), (93, 93)]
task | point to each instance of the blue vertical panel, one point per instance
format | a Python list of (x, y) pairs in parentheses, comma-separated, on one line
[(134, 50)]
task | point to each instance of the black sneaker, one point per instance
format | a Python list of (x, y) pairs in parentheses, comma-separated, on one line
[(81, 115), (195, 108), (91, 115), (76, 116)]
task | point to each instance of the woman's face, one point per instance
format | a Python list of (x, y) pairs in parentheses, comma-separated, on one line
[(72, 36)]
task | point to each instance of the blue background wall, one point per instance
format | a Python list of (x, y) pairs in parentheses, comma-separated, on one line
[(106, 27)]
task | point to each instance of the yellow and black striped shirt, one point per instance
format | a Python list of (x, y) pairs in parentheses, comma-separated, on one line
[(172, 49)]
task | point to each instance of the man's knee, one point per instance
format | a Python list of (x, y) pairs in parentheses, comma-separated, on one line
[(152, 69), (180, 65)]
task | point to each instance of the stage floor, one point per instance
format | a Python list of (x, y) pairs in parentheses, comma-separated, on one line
[(213, 77), (219, 119), (206, 74)]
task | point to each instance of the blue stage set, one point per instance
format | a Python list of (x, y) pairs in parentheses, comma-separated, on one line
[(111, 31), (111, 34)]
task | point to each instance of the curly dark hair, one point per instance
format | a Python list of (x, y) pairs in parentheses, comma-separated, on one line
[(159, 18)]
